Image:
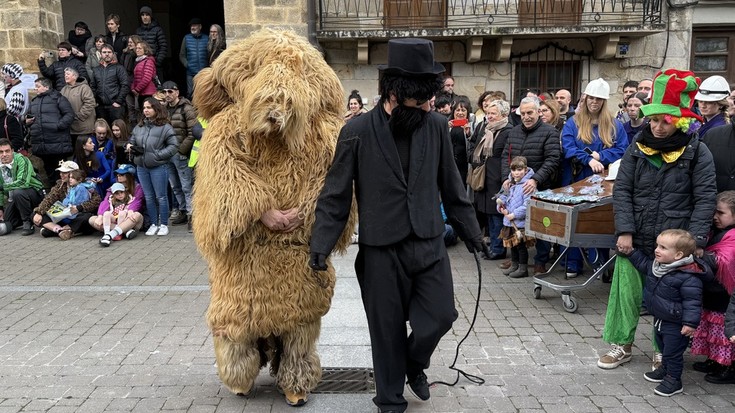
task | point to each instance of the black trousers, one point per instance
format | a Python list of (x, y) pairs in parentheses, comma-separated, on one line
[(20, 205), (407, 281), (672, 345)]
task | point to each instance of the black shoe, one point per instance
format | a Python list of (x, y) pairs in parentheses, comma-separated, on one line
[(725, 376), (496, 256), (656, 376), (178, 219), (419, 386), (669, 386), (47, 233), (27, 228), (708, 366)]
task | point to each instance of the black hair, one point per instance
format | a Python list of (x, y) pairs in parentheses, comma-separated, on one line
[(419, 87), (442, 100), (354, 95), (630, 83), (642, 96)]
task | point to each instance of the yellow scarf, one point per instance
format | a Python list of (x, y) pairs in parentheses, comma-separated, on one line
[(668, 157)]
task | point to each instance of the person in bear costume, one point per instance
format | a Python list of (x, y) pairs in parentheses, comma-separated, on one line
[(274, 108)]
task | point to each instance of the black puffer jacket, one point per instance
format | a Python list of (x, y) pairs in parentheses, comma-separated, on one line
[(50, 134), (677, 296), (55, 72), (721, 142), (155, 37), (484, 201), (540, 145), (110, 84), (648, 200)]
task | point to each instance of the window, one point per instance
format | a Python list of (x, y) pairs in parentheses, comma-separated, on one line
[(713, 53), (414, 14), (544, 76)]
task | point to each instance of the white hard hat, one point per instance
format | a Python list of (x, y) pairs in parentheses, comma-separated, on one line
[(612, 171), (598, 88), (713, 89)]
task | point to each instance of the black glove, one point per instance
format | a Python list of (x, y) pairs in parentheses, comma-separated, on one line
[(477, 245), (136, 150), (318, 262)]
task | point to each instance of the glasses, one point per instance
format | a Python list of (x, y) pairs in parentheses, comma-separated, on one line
[(168, 91)]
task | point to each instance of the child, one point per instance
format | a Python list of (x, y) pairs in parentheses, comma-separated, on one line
[(674, 297), (78, 193), (120, 201), (513, 207)]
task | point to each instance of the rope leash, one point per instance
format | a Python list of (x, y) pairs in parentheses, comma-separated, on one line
[(471, 377)]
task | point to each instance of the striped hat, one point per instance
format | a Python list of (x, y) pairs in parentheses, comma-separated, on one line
[(673, 94), (14, 70)]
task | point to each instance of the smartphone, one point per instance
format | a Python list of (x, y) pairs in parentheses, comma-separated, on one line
[(588, 151), (458, 122)]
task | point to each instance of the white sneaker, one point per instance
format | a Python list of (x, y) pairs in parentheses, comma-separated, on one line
[(152, 230), (163, 230)]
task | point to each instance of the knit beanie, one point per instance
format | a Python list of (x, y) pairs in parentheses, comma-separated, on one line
[(146, 9), (14, 70), (673, 94)]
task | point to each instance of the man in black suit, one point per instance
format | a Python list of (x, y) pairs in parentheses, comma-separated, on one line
[(399, 158)]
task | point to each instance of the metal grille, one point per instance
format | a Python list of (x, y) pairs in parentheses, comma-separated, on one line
[(548, 68), (346, 380)]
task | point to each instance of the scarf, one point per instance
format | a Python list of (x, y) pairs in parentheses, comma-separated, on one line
[(659, 270), (725, 253), (139, 58), (486, 143), (670, 147)]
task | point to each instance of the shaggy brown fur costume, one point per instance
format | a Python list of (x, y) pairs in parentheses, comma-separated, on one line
[(275, 110)]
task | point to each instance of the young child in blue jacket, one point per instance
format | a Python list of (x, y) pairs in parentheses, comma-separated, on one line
[(674, 298), (513, 207)]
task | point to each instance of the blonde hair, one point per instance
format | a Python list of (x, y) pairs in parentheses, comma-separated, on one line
[(684, 240), (605, 124)]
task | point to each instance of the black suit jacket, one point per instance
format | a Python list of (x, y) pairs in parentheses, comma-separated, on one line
[(391, 207)]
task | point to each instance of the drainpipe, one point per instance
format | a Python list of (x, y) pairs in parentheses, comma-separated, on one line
[(311, 17)]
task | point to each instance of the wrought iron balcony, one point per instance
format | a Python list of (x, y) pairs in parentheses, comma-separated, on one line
[(390, 18)]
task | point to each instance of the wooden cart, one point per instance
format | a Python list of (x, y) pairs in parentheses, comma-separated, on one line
[(587, 224)]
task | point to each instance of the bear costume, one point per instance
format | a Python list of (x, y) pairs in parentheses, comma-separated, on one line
[(274, 108)]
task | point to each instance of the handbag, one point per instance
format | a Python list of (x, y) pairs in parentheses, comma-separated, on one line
[(476, 178)]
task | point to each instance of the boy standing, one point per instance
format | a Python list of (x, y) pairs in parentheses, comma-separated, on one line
[(674, 297)]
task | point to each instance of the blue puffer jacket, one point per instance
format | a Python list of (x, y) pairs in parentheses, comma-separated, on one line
[(193, 53), (677, 296)]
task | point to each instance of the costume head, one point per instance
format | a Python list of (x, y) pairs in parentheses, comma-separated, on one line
[(277, 94), (673, 96)]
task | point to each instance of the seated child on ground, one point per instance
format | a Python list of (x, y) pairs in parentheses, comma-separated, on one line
[(117, 213)]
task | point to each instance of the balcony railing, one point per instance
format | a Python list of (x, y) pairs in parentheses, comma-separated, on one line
[(484, 15)]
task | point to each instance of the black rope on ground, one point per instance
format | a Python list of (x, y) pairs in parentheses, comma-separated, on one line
[(471, 377)]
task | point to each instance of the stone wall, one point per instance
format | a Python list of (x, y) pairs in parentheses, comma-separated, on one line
[(26, 28), (243, 17)]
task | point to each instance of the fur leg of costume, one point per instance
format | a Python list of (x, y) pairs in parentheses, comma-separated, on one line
[(238, 363), (300, 369)]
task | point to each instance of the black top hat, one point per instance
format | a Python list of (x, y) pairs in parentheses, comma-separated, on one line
[(411, 56)]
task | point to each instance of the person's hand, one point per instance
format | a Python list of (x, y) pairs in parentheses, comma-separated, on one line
[(530, 186), (467, 129), (73, 209), (506, 185), (274, 220), (295, 219), (476, 244), (732, 339), (687, 331), (41, 56), (115, 105), (624, 243), (595, 155), (510, 217), (597, 166), (317, 262), (37, 220), (699, 252)]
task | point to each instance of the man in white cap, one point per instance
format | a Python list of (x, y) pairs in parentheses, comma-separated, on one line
[(402, 151), (58, 192), (16, 95)]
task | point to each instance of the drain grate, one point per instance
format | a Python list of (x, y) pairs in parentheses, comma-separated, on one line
[(346, 380)]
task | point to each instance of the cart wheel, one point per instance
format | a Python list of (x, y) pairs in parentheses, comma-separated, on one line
[(537, 292), (570, 304)]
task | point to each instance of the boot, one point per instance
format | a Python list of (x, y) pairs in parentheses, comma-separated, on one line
[(521, 272), (513, 267)]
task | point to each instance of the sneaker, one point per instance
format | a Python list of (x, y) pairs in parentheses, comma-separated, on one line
[(616, 356), (175, 213), (163, 230), (656, 376), (657, 360), (47, 233), (419, 386), (66, 234), (105, 240), (668, 387), (296, 399), (571, 274), (178, 219), (131, 234), (27, 229), (152, 230)]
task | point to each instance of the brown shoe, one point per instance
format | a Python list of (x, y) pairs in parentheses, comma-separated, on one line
[(539, 269), (296, 399), (504, 265)]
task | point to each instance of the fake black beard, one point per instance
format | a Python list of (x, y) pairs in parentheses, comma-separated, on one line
[(404, 120)]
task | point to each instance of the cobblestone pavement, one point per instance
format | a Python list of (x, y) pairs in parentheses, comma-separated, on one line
[(121, 329)]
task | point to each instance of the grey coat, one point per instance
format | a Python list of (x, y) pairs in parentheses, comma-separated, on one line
[(159, 144)]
